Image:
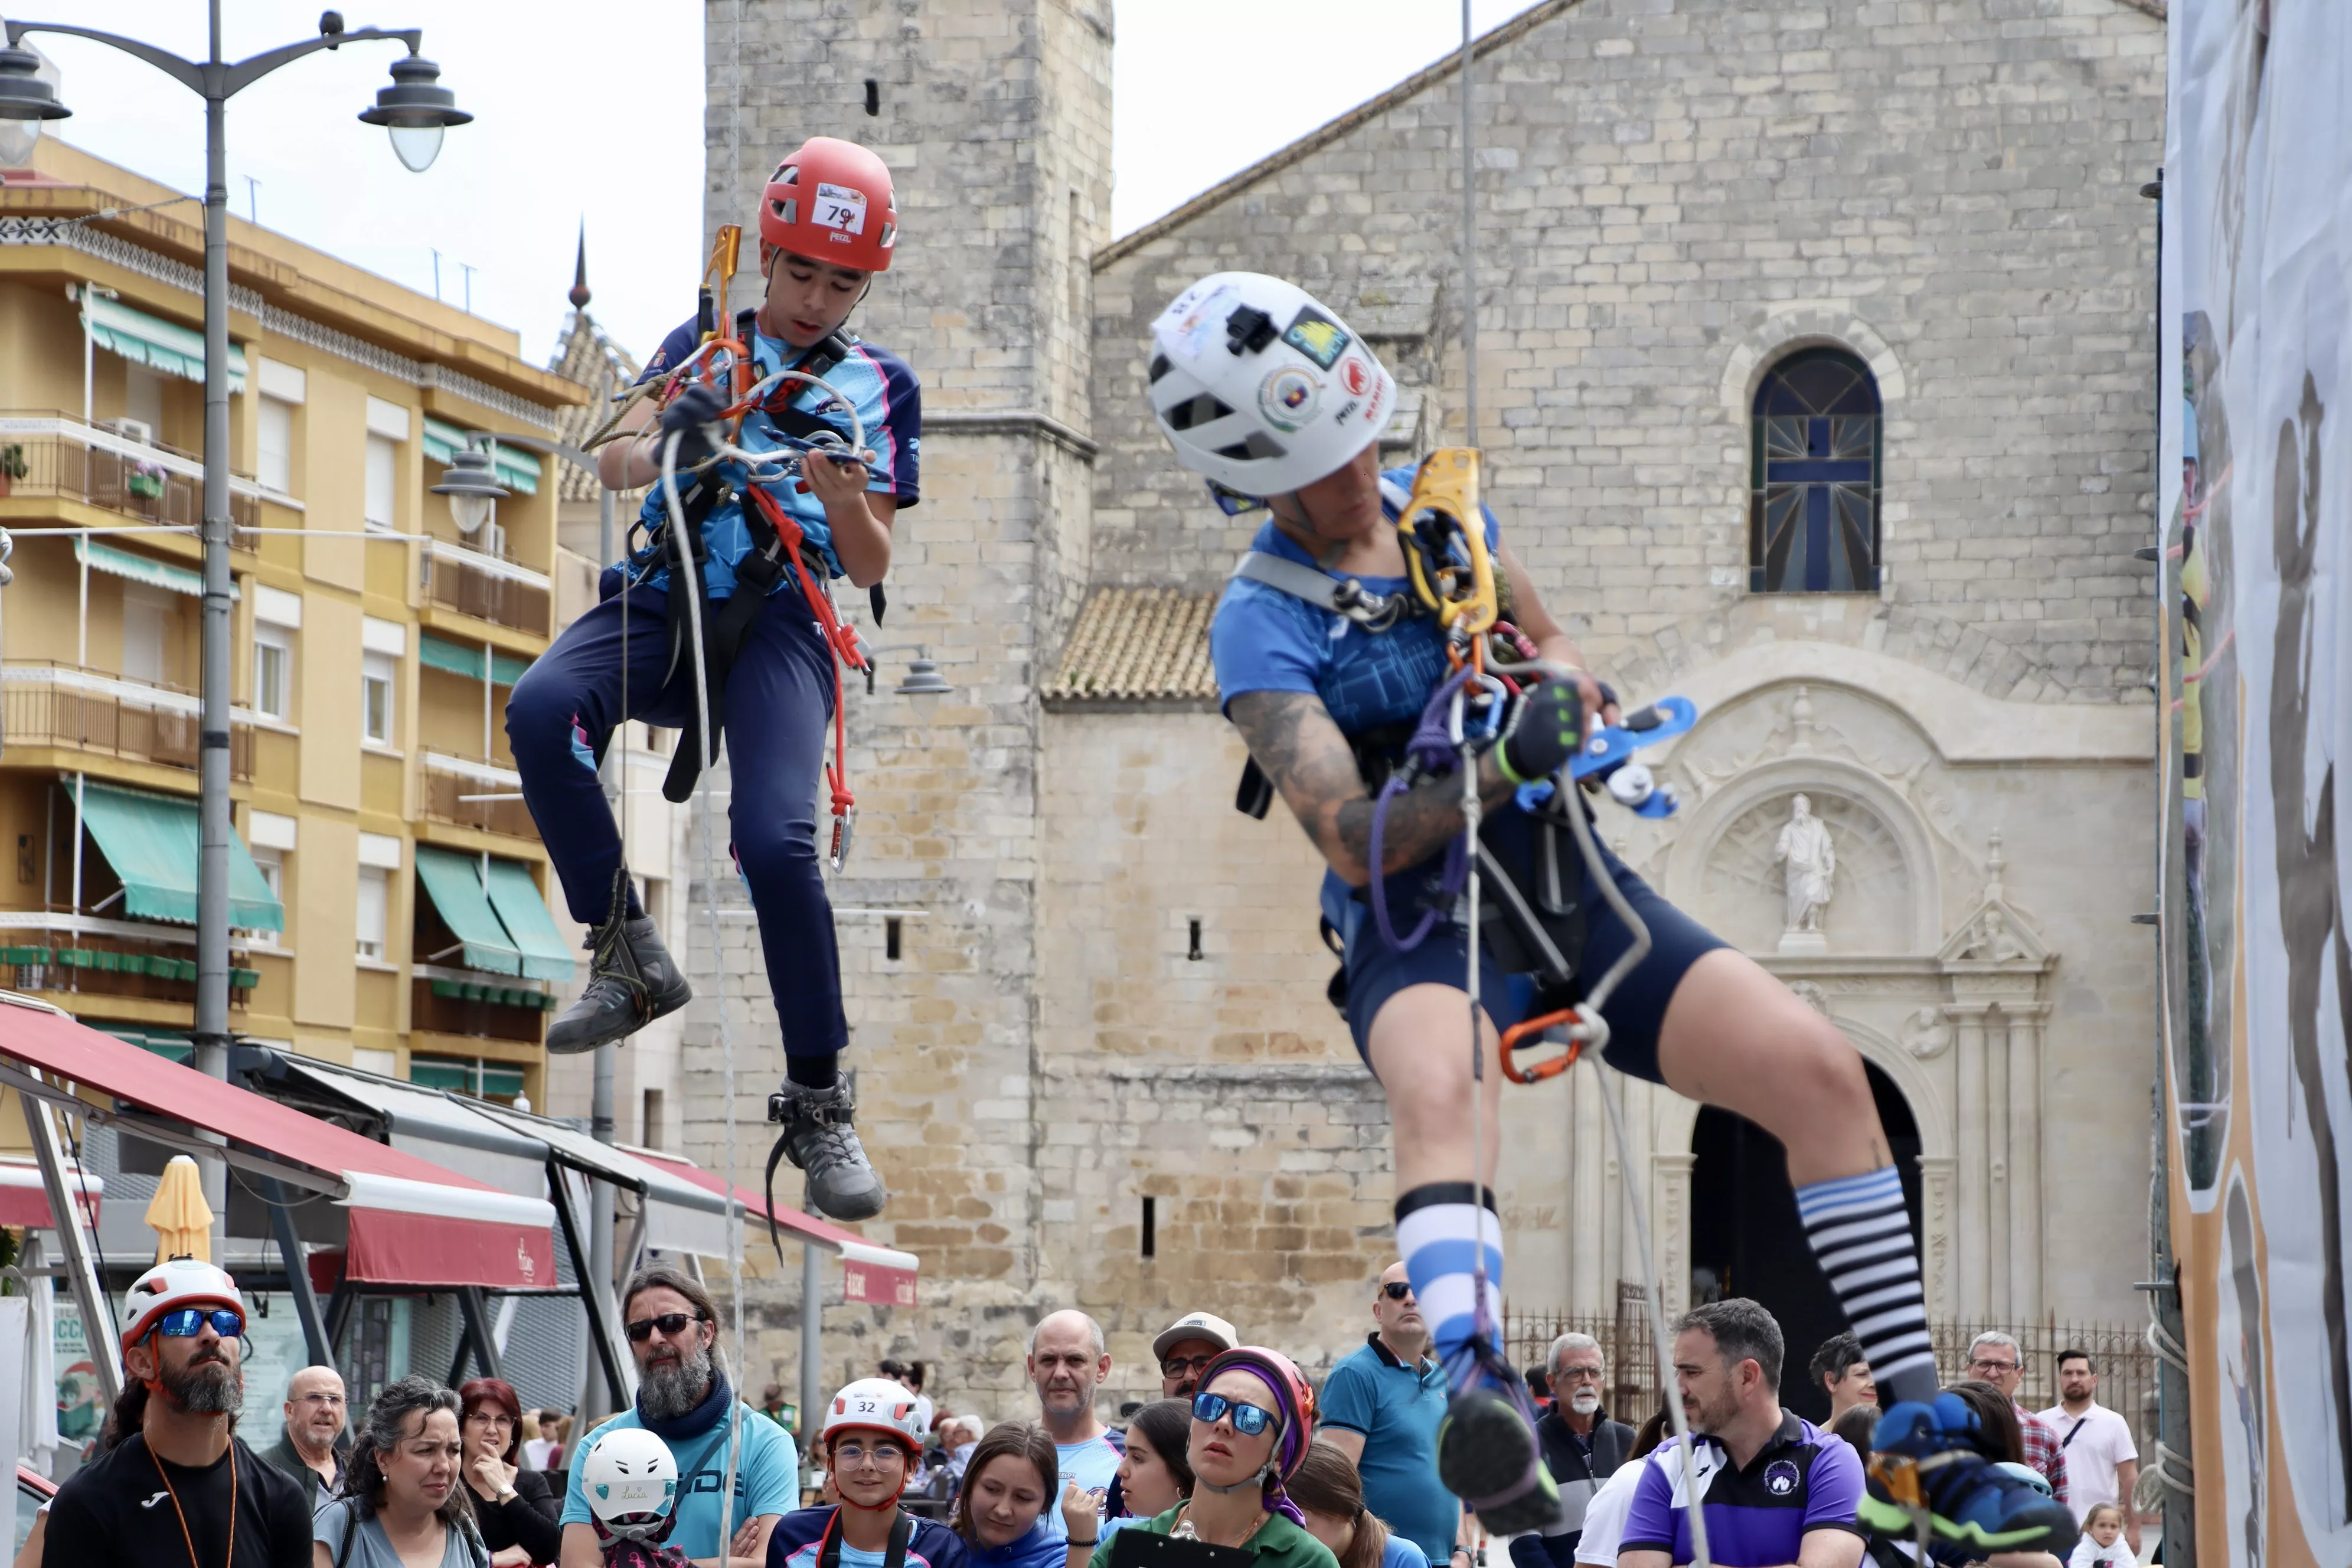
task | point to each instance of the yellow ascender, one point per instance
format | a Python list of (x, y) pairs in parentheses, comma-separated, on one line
[(1456, 580)]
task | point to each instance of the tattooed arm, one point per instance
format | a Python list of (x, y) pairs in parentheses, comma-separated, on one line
[(1301, 749)]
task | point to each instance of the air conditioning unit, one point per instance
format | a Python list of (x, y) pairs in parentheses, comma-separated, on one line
[(130, 429)]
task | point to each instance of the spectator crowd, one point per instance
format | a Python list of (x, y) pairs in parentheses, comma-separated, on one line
[(1240, 1451)]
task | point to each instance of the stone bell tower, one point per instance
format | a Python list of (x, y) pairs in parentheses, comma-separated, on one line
[(994, 118)]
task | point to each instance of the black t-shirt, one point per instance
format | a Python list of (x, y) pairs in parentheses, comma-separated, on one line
[(117, 1513)]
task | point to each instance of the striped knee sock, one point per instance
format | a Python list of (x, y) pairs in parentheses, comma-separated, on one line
[(1442, 1229), (1861, 1235)]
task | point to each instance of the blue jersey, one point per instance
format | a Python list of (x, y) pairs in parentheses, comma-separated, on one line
[(797, 1540), (889, 405)]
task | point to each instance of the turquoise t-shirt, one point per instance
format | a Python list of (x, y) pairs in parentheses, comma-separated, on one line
[(1091, 1464), (1397, 1408), (767, 1478)]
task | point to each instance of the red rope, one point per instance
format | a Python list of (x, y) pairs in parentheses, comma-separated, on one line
[(842, 642)]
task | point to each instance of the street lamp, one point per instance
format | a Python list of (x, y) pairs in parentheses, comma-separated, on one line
[(922, 681), (474, 491), (29, 95), (417, 110)]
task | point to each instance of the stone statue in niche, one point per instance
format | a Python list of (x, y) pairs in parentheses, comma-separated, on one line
[(1991, 942), (1927, 1032), (1809, 863)]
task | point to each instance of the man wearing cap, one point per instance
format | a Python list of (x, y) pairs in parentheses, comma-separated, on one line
[(1187, 1345), (1381, 1406), (172, 1478)]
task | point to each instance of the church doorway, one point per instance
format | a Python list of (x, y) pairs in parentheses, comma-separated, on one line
[(1746, 1241)]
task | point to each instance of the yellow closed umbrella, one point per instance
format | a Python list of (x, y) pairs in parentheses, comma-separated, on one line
[(183, 1221)]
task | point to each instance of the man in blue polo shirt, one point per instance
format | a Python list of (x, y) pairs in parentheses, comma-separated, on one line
[(1381, 1406), (1777, 1489)]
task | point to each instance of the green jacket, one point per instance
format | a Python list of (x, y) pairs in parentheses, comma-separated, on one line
[(287, 1459), (1278, 1543)]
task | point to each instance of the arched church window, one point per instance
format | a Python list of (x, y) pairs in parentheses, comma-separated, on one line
[(1817, 457)]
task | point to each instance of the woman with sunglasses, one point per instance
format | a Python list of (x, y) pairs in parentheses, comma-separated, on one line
[(872, 1448), (173, 1485), (517, 1509), (1252, 1421)]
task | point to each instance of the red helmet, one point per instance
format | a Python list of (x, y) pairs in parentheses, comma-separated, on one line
[(830, 202)]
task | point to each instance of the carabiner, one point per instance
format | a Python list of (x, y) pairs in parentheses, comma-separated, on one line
[(844, 826), (1586, 1028)]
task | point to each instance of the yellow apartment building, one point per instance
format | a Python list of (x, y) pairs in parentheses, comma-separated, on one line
[(388, 886)]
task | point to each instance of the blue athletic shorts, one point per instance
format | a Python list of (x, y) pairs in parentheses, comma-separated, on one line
[(1376, 972)]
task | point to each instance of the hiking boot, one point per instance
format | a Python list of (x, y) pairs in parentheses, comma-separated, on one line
[(632, 981), (820, 1141), (1488, 1456), (1928, 1460)]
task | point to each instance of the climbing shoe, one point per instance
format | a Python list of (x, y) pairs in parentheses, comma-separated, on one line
[(632, 981), (1486, 1455), (819, 1140), (1930, 1469)]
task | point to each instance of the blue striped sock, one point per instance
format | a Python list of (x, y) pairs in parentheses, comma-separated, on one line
[(1441, 1230), (1860, 1235)]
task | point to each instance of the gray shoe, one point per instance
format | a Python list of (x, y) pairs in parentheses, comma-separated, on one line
[(819, 1140), (632, 981)]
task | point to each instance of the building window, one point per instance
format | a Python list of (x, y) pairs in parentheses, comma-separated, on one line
[(275, 459), (273, 670), (652, 1119), (375, 900), (376, 673), (383, 482), (1816, 462), (271, 863)]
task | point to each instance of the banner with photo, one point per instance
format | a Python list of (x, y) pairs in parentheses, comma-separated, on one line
[(2256, 405)]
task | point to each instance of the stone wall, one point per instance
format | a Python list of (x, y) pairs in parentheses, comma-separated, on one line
[(1674, 193)]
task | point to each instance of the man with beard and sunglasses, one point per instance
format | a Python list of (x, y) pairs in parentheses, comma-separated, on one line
[(175, 1484), (684, 1397)]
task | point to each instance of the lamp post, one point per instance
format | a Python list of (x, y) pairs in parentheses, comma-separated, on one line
[(922, 681), (416, 110)]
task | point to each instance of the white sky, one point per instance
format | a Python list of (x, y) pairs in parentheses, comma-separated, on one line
[(593, 112)]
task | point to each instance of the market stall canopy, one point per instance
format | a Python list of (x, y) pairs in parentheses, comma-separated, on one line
[(870, 1271), (455, 1134), (25, 1202), (681, 1215), (408, 1221)]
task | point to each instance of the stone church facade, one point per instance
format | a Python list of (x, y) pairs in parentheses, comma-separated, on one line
[(1094, 1056)]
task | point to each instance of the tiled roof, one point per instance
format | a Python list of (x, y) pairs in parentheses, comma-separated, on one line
[(586, 355), (1138, 645)]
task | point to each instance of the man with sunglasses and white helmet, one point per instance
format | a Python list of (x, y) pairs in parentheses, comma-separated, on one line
[(1326, 658), (872, 1445), (173, 1484), (828, 228)]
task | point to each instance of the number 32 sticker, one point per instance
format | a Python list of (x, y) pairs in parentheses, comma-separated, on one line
[(842, 207)]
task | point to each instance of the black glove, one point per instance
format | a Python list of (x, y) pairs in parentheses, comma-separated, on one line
[(688, 412), (1544, 732)]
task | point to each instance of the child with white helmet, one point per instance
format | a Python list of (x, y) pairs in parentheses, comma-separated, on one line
[(630, 1477), (873, 1447)]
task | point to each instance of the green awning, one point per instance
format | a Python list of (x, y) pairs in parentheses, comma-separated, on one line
[(436, 1072), (517, 469), (532, 930), (151, 840), (458, 659), (152, 340), (103, 557), (169, 1044), (454, 882)]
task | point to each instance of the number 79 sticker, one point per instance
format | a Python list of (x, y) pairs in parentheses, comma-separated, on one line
[(842, 207)]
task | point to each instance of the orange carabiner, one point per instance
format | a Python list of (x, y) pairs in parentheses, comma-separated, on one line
[(1520, 1037)]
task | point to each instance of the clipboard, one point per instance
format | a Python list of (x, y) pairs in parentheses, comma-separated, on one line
[(1148, 1549)]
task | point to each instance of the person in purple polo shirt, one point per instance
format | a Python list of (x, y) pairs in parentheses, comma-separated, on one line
[(1776, 1488)]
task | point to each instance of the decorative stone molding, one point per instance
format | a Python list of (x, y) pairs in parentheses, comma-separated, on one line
[(1793, 324)]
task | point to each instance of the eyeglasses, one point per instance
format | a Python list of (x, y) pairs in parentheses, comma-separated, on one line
[(1249, 1420), (188, 1321), (1577, 1374), (671, 1324), (495, 1418), (1397, 1290), (1981, 1364), (850, 1456), (1177, 1366), (320, 1400)]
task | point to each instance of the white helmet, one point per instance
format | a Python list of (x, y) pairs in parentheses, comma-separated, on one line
[(1260, 388), (174, 1283), (875, 1404), (630, 1477)]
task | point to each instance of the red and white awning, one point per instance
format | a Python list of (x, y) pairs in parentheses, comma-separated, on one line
[(870, 1272), (24, 1201), (411, 1222)]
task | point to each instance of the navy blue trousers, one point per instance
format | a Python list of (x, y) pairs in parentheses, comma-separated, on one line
[(779, 708)]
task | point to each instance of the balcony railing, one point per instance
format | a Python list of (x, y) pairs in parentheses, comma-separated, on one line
[(110, 966), (62, 458), (485, 1007), (444, 781), (486, 586), (44, 703)]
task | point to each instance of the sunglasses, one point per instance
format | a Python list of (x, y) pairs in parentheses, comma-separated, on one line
[(1249, 1420), (671, 1324), (1396, 1289), (189, 1322)]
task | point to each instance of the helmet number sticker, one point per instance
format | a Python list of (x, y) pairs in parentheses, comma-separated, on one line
[(840, 207)]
